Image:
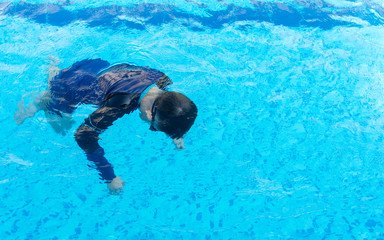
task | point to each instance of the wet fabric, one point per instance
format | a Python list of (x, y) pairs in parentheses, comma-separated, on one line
[(77, 85), (93, 81)]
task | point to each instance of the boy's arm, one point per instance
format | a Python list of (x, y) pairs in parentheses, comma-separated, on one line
[(87, 135)]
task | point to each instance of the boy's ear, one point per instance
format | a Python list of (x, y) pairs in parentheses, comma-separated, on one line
[(149, 114)]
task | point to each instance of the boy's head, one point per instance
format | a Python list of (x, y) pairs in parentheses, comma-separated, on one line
[(173, 113)]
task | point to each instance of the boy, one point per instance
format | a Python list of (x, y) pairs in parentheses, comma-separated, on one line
[(116, 90)]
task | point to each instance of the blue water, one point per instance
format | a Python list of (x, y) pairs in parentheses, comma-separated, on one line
[(288, 143)]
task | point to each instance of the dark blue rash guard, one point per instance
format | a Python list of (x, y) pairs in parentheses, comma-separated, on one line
[(115, 90)]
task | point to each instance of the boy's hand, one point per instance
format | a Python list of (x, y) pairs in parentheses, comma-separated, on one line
[(116, 186), (179, 143)]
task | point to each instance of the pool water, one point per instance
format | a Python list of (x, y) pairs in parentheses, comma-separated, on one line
[(288, 143)]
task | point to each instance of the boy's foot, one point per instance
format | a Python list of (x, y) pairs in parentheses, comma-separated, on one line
[(23, 112)]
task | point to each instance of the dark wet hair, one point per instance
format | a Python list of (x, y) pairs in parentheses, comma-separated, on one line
[(175, 114)]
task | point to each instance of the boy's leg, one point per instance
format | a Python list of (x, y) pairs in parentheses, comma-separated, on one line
[(60, 124), (52, 72), (23, 112)]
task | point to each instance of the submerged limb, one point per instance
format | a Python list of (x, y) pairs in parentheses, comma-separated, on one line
[(53, 71), (60, 124), (40, 100), (23, 112)]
